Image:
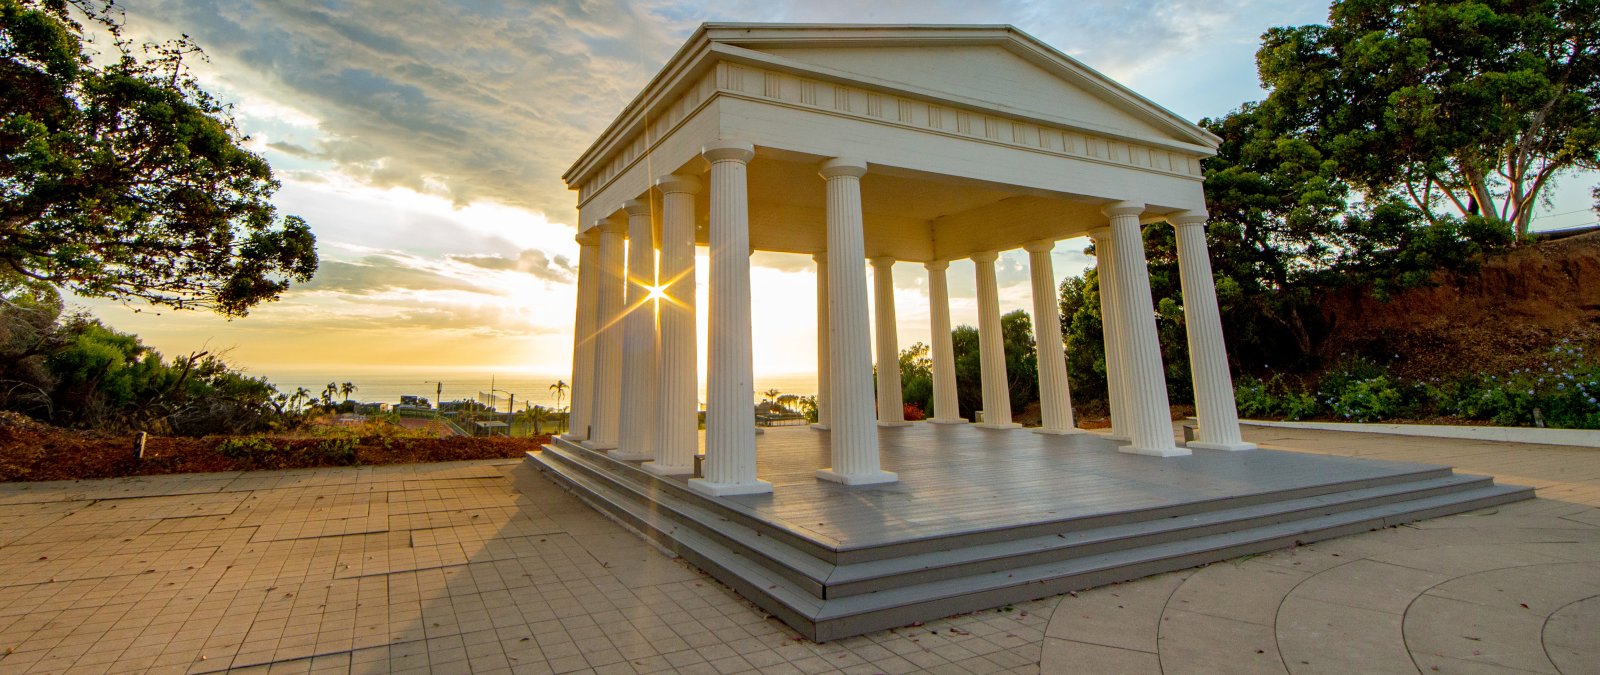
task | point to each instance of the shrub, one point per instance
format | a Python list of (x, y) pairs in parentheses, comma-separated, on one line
[(1564, 389), (251, 449), (914, 412)]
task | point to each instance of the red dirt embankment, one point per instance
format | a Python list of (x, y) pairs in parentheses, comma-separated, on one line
[(1507, 315), (31, 451)]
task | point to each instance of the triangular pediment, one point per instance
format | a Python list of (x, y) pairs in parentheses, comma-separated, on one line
[(995, 67)]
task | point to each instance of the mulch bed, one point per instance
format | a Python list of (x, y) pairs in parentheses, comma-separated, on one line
[(31, 451)]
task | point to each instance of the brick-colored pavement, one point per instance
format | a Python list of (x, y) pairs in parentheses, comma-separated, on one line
[(449, 567)]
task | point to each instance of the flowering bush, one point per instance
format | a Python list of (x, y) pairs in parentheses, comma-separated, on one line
[(1562, 392)]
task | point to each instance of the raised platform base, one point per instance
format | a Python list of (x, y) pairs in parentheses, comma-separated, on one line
[(946, 420), (981, 518), (1231, 447), (997, 425)]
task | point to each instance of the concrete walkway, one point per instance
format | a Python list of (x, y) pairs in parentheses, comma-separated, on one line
[(477, 567), (1508, 590)]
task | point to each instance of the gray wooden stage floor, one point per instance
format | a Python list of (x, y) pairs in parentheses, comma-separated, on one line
[(958, 478)]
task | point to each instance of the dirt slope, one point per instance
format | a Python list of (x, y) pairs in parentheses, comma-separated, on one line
[(1505, 316)]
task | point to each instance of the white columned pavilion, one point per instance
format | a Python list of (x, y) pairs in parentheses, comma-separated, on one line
[(607, 411), (1144, 380), (919, 144), (1055, 396), (678, 396), (1208, 358), (1111, 328), (730, 467), (639, 389), (578, 413), (991, 347), (855, 438), (823, 343), (946, 409), (891, 409)]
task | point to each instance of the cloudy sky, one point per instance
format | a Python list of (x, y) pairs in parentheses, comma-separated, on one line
[(424, 141)]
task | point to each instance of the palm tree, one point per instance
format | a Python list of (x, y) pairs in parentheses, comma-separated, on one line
[(347, 389), (301, 397), (537, 415), (329, 392), (560, 388), (770, 394)]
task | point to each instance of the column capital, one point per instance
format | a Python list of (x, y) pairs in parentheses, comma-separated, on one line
[(1188, 218), (678, 183), (844, 166), (881, 261), (1123, 209), (1039, 246), (728, 151), (935, 265), (1100, 233), (588, 238), (985, 256), (613, 226), (636, 207), (820, 257)]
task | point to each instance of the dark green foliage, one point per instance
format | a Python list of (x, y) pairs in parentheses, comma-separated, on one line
[(72, 370), (261, 453), (127, 180), (1470, 105), (916, 377), (1022, 367), (1562, 392)]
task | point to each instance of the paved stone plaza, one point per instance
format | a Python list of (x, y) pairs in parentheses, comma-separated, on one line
[(479, 566)]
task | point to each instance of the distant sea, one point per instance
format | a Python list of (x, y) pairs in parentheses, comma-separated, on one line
[(388, 385)]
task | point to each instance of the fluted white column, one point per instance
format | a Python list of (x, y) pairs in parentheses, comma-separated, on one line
[(824, 399), (637, 439), (946, 408), (1208, 354), (678, 387), (730, 466), (582, 394), (854, 435), (605, 427), (992, 347), (1145, 383), (1055, 394), (1110, 328), (891, 405)]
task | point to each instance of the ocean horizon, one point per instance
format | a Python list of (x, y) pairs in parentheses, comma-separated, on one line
[(387, 385)]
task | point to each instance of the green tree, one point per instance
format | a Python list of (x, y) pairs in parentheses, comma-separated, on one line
[(122, 178), (1470, 105), (916, 377), (1022, 369)]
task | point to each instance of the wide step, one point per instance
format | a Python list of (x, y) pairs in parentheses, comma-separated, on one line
[(809, 586)]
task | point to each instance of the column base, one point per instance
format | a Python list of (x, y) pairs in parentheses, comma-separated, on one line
[(893, 423), (820, 426), (760, 431), (711, 489), (598, 446), (569, 436), (997, 425), (660, 469), (1058, 432), (1201, 445), (947, 420), (874, 478), (1170, 451), (631, 456)]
